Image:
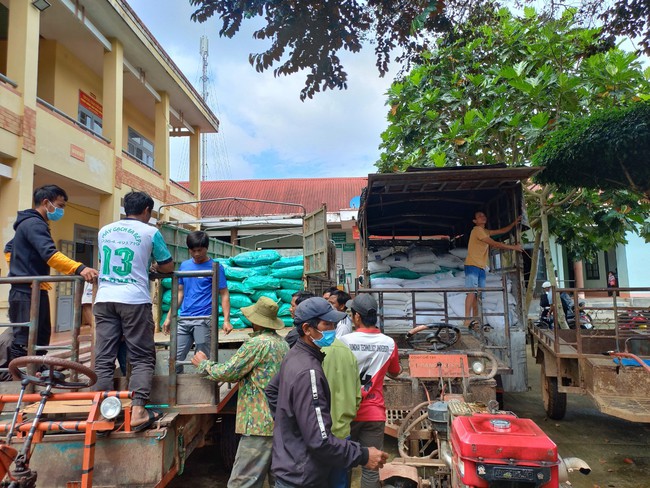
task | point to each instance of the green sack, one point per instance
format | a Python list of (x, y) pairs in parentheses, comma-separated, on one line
[(165, 307), (284, 310), (239, 274), (238, 287), (291, 284), (288, 321), (239, 300), (286, 294), (292, 272), (265, 293), (287, 261), (403, 273), (262, 270), (167, 297), (162, 319), (223, 261), (256, 258), (262, 283), (166, 283), (237, 323), (240, 315)]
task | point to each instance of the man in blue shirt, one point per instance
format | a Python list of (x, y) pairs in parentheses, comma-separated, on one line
[(195, 299)]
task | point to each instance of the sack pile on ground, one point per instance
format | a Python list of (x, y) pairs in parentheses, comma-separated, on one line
[(255, 274), (420, 267)]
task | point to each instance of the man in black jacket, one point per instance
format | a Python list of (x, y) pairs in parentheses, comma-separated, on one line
[(32, 253), (304, 449)]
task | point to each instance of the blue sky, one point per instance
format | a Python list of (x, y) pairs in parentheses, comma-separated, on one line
[(267, 132)]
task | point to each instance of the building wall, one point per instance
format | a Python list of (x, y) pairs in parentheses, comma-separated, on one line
[(41, 146), (633, 262)]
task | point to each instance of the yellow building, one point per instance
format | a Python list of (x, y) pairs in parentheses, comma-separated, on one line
[(89, 101)]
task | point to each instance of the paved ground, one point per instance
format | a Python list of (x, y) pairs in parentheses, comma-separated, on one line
[(617, 451)]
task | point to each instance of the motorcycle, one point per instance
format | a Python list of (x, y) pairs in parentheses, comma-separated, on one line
[(546, 319)]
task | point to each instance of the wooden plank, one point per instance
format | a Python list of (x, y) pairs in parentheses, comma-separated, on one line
[(67, 406)]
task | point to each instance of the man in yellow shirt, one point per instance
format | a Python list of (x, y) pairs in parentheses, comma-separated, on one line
[(478, 247)]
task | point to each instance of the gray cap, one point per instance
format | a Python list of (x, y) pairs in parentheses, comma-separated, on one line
[(363, 303), (317, 308)]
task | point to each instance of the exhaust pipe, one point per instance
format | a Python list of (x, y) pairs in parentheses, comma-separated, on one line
[(570, 464)]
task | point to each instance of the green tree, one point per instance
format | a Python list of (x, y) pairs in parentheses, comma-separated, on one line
[(495, 92), (606, 151)]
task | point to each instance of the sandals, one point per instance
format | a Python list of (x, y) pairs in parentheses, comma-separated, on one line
[(154, 416)]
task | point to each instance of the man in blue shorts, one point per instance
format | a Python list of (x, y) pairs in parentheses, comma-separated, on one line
[(476, 263), (195, 300)]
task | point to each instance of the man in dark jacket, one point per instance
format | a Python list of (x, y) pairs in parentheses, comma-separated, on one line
[(32, 253), (304, 449)]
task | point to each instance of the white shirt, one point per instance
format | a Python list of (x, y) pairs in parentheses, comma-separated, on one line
[(125, 251), (344, 327)]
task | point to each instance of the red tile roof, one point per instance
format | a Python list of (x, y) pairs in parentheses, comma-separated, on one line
[(336, 193)]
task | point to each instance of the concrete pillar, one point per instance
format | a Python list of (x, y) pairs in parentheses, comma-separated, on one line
[(113, 96), (22, 68), (161, 143), (113, 126), (22, 48), (578, 273), (195, 163)]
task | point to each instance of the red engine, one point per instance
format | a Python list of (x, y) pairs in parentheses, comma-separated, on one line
[(492, 451)]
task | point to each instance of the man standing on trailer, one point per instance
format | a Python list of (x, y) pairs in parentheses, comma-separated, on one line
[(476, 263), (195, 300), (32, 253), (123, 301)]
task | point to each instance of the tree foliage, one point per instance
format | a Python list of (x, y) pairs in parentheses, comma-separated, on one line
[(500, 88), (311, 34), (608, 150), (496, 91)]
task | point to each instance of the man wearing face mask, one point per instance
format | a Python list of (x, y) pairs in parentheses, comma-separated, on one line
[(32, 253), (304, 449)]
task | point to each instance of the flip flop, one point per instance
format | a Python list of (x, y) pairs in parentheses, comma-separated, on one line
[(154, 416)]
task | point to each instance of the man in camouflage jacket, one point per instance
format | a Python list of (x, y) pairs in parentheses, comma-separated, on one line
[(253, 366)]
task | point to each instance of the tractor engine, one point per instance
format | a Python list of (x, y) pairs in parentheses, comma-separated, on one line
[(483, 448), (502, 450)]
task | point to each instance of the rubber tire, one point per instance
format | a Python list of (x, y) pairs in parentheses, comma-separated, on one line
[(228, 442), (554, 402)]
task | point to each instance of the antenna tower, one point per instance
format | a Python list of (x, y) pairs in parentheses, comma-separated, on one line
[(204, 94)]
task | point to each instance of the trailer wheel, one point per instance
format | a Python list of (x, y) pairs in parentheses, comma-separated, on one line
[(554, 401), (228, 442)]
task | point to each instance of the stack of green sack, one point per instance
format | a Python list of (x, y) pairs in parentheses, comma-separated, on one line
[(255, 274)]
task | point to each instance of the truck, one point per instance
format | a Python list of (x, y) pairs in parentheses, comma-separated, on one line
[(431, 210)]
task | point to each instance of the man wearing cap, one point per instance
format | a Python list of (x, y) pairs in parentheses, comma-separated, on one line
[(376, 355), (304, 449), (545, 301), (253, 365)]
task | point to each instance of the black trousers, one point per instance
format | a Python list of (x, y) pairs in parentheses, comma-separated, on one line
[(135, 323), (19, 309)]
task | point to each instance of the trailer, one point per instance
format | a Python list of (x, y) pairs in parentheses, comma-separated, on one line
[(82, 438), (609, 362)]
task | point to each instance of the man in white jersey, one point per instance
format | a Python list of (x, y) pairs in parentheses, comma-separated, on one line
[(123, 302)]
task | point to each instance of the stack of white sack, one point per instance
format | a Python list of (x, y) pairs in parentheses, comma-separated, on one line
[(395, 308)]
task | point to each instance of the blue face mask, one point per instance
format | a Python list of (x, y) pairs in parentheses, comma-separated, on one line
[(327, 339), (57, 214)]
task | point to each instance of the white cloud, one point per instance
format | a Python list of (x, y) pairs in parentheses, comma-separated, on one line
[(268, 131)]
